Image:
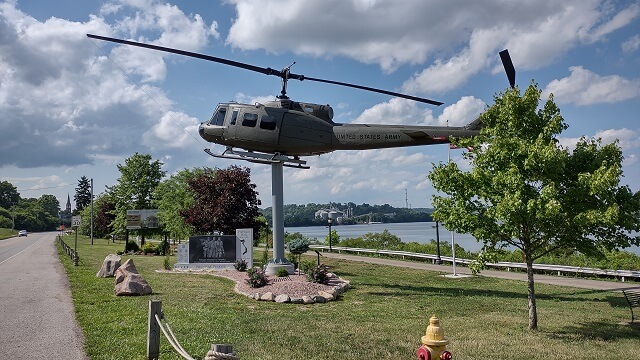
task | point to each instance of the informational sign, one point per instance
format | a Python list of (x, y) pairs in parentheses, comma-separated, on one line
[(142, 219), (244, 245), (212, 249), (76, 220)]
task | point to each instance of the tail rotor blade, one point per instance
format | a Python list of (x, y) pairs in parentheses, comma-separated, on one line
[(508, 67)]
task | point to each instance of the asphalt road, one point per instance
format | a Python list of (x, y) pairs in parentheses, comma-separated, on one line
[(37, 318)]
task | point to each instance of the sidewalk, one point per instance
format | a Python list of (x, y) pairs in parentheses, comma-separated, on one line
[(447, 269)]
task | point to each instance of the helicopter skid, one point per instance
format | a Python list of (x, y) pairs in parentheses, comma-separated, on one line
[(260, 158)]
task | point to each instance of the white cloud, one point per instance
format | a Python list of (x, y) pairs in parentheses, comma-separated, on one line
[(75, 106), (584, 87), (631, 45), (535, 32)]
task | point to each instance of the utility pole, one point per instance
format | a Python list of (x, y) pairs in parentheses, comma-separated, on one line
[(406, 199), (91, 218)]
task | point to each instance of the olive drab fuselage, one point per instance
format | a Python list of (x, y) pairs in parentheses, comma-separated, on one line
[(301, 129)]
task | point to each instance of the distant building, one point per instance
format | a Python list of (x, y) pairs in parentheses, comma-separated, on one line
[(326, 214)]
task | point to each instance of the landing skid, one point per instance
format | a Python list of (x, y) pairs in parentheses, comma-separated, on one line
[(260, 158)]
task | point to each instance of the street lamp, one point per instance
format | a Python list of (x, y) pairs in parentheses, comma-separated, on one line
[(438, 259), (329, 221)]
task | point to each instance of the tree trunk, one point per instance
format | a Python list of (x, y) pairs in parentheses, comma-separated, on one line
[(533, 313)]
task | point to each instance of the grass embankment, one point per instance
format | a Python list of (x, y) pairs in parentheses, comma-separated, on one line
[(383, 316), (7, 233)]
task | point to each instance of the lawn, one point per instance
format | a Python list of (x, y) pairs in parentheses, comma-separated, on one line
[(383, 316), (7, 233)]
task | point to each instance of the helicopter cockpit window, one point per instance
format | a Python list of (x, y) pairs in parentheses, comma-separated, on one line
[(268, 122), (218, 117), (249, 119), (234, 116)]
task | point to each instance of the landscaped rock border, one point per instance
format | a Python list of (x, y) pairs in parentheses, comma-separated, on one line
[(294, 289)]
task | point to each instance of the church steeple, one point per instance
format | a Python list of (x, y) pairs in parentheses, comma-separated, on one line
[(68, 203)]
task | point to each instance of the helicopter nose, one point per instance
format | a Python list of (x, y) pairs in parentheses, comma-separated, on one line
[(211, 132)]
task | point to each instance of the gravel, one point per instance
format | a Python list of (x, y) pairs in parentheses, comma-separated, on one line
[(292, 285)]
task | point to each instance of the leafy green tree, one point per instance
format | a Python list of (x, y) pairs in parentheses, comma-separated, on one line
[(174, 195), (224, 200), (49, 205), (139, 177), (82, 196), (527, 191), (9, 195), (299, 246)]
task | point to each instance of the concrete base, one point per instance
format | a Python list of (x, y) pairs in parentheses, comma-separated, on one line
[(457, 276), (272, 268), (203, 266)]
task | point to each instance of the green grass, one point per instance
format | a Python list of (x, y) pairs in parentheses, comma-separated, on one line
[(383, 316), (7, 233)]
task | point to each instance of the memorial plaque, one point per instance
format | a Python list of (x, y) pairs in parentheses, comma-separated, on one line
[(244, 245), (183, 253), (212, 249)]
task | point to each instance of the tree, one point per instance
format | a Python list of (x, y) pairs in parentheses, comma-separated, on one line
[(82, 196), (104, 214), (139, 177), (527, 191), (9, 195), (299, 246), (49, 205), (224, 200), (174, 195)]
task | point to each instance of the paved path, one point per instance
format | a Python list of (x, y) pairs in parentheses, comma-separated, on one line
[(37, 319), (544, 279)]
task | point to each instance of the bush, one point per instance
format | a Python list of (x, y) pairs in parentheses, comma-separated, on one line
[(240, 265), (132, 246), (282, 272), (167, 263), (307, 266), (319, 274), (257, 278), (149, 248)]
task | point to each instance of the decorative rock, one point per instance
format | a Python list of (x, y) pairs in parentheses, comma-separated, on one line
[(296, 300), (267, 296), (129, 281), (283, 298), (319, 299), (307, 300), (326, 295), (109, 266)]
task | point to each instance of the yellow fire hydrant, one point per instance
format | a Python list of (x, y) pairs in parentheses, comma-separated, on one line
[(434, 343)]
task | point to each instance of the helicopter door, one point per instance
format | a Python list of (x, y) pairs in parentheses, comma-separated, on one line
[(232, 119)]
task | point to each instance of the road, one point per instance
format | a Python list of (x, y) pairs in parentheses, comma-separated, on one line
[(37, 318)]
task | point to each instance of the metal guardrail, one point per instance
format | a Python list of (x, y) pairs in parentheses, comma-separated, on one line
[(559, 269)]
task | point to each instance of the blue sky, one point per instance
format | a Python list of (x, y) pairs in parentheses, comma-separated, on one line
[(66, 111)]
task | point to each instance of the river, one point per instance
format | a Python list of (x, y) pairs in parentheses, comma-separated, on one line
[(420, 232)]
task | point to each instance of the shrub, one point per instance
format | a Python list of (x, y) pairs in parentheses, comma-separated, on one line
[(167, 264), (282, 272), (149, 248), (257, 278), (319, 274), (240, 265), (132, 246), (307, 266)]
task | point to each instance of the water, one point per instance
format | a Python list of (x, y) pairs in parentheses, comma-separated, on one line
[(420, 232)]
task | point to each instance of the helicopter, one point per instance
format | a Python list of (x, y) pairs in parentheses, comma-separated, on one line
[(283, 130)]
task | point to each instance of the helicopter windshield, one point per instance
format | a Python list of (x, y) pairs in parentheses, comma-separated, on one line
[(218, 117)]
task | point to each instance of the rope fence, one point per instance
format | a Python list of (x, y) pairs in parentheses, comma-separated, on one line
[(158, 324), (69, 250)]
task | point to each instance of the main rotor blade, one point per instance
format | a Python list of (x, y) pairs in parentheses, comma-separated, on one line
[(267, 71), (404, 96), (284, 74)]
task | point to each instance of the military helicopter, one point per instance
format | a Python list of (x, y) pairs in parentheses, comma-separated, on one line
[(283, 130)]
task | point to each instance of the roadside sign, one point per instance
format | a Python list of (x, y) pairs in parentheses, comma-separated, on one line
[(142, 219), (75, 221)]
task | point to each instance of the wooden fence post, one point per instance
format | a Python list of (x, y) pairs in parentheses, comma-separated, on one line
[(153, 330)]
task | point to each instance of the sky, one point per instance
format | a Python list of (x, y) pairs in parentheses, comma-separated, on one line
[(72, 107)]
